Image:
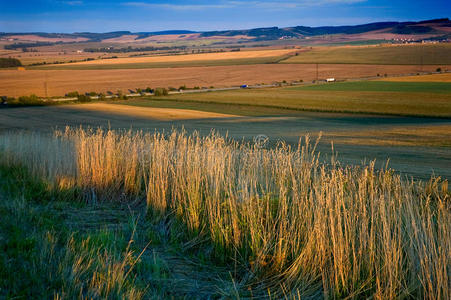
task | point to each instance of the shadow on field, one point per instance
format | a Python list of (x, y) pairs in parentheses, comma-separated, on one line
[(419, 160)]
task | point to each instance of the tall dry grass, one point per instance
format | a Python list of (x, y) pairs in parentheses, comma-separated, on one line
[(292, 223)]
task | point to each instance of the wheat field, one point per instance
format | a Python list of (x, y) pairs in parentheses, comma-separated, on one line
[(294, 226)]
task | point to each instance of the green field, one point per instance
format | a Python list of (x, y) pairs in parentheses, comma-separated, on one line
[(385, 86), (370, 97), (434, 54)]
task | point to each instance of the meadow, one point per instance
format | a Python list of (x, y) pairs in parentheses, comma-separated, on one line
[(269, 222)]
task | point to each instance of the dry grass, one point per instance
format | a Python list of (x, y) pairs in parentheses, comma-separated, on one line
[(290, 223), (445, 77), (59, 82)]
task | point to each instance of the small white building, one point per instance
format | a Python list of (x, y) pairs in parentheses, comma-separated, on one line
[(330, 80)]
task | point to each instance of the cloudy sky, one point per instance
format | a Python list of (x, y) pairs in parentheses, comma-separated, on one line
[(148, 15)]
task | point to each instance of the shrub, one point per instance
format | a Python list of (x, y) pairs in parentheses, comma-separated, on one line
[(72, 94), (29, 100), (439, 70), (161, 92), (8, 62), (84, 98)]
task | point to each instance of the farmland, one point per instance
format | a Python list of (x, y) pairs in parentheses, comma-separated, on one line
[(236, 57), (376, 97), (381, 54), (59, 82)]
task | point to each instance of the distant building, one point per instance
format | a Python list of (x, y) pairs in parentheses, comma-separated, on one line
[(330, 80)]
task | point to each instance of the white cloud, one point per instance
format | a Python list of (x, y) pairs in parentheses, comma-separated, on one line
[(75, 2), (235, 4), (177, 6)]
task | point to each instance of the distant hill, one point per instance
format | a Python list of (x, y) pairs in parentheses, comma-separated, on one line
[(428, 26), (434, 29)]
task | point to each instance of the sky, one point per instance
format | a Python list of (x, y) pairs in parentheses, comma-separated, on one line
[(146, 15)]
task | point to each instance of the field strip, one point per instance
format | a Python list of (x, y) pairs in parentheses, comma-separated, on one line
[(435, 135), (444, 77), (161, 114)]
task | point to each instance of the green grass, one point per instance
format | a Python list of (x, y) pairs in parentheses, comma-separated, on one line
[(199, 63), (52, 245), (44, 254), (435, 54), (389, 98)]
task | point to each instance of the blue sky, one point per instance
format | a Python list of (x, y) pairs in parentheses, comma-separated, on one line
[(148, 15)]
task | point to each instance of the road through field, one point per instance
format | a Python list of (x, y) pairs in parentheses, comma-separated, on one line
[(43, 83), (356, 138)]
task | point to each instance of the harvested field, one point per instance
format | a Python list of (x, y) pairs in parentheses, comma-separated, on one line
[(386, 54), (59, 82), (50, 57), (190, 57), (446, 77), (37, 38)]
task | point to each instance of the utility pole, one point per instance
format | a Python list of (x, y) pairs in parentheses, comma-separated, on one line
[(316, 72), (45, 87), (421, 63)]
